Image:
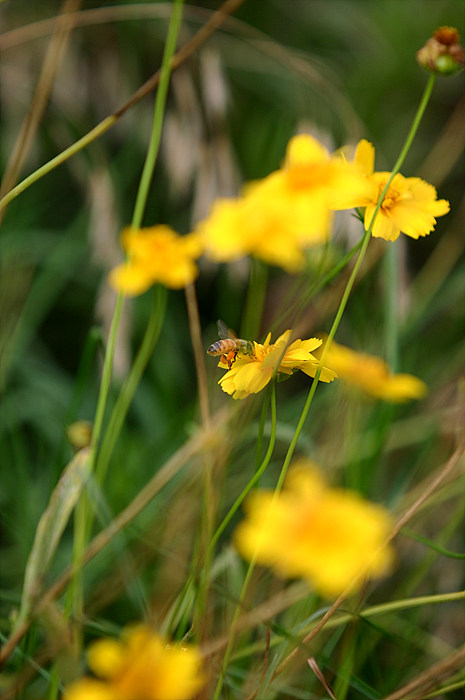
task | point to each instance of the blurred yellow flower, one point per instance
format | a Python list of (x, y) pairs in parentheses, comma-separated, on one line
[(276, 219), (410, 205), (328, 536), (141, 666), (250, 373), (156, 254), (373, 376)]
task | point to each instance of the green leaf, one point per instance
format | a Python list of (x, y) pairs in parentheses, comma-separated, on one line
[(51, 527)]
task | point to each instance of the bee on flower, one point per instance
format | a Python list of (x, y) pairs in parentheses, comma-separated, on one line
[(252, 366), (229, 346)]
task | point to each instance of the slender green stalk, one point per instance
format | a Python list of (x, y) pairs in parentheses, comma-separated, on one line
[(366, 614), (433, 545), (82, 518), (261, 430), (69, 152), (255, 477), (232, 636), (391, 286), (160, 102), (251, 567), (131, 382), (255, 300), (356, 268), (182, 55)]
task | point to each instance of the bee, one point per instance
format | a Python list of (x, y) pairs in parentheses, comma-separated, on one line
[(229, 346)]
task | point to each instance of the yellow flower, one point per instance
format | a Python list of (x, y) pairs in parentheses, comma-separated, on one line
[(276, 219), (250, 373), (156, 254), (141, 666), (410, 205), (250, 226), (327, 536), (372, 375)]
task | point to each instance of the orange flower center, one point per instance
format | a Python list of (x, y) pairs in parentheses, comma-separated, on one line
[(391, 197)]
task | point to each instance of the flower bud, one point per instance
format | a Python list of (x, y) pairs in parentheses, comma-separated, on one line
[(442, 53), (79, 434)]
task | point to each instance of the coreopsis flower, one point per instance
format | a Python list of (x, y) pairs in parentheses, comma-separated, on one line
[(140, 666), (156, 254), (250, 372), (249, 225), (409, 206), (278, 218), (331, 537), (373, 376)]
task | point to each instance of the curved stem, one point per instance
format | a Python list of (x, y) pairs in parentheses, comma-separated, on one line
[(255, 477), (345, 297), (160, 102), (227, 8), (83, 517)]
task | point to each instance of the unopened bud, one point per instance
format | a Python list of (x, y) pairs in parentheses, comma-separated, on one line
[(442, 53), (79, 434)]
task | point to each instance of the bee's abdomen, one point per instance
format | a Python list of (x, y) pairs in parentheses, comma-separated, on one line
[(221, 347)]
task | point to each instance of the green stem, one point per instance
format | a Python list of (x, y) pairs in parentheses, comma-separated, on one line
[(261, 430), (229, 648), (391, 282), (62, 157), (432, 545), (255, 300), (255, 477), (160, 102), (356, 268), (82, 519), (131, 383), (373, 611)]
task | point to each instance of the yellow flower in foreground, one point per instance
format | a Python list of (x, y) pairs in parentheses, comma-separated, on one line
[(156, 254), (276, 219), (327, 536), (141, 666), (250, 373), (372, 375), (410, 205)]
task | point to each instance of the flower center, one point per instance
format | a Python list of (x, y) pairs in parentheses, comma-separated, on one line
[(390, 198)]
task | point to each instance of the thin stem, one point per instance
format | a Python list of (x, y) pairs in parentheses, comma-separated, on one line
[(131, 382), (83, 521), (203, 557), (227, 8), (255, 477), (255, 300), (199, 356), (391, 283), (261, 430), (356, 268), (160, 102)]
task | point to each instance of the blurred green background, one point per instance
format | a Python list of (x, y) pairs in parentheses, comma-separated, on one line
[(341, 69)]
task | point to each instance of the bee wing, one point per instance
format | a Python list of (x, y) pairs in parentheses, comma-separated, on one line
[(224, 331)]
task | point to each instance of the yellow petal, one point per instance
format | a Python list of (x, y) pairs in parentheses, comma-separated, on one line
[(304, 149), (383, 226), (89, 689), (130, 279), (365, 157)]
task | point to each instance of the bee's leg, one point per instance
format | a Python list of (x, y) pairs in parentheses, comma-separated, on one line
[(230, 357)]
